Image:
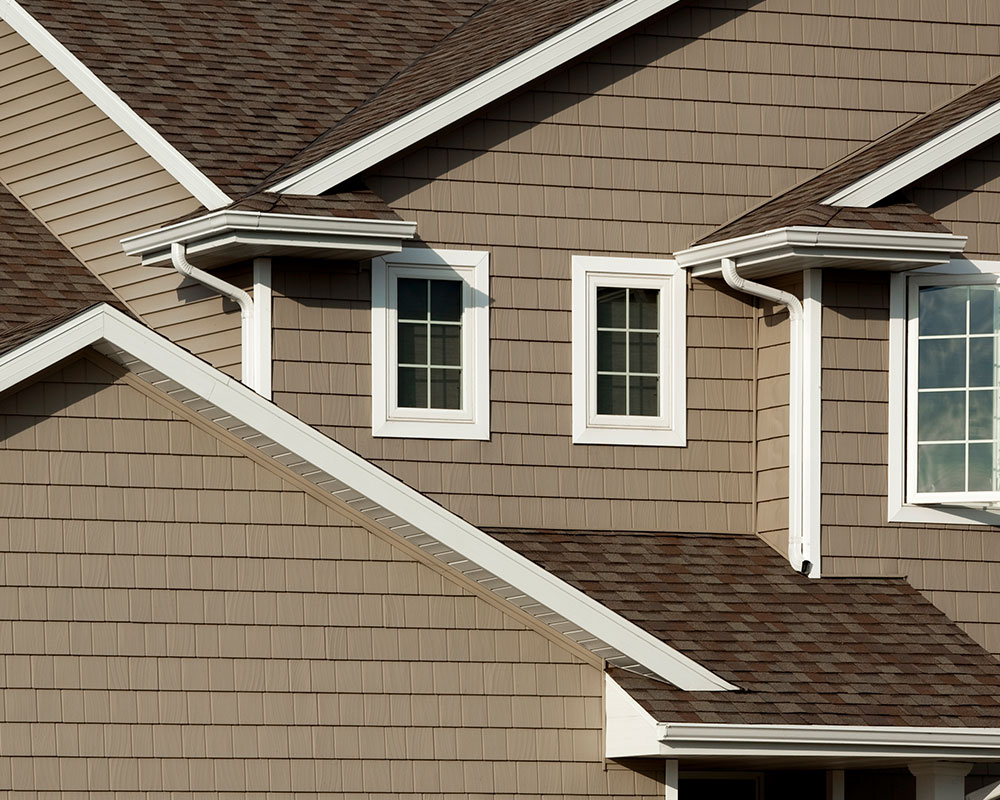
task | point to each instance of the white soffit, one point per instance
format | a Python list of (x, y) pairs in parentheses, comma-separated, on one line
[(909, 167), (471, 96), (368, 489), (77, 73)]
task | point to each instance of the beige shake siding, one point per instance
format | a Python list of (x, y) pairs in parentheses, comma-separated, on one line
[(635, 151), (965, 196), (180, 614), (92, 185)]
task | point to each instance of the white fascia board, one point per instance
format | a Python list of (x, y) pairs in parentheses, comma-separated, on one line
[(878, 245), (226, 227), (914, 165), (142, 133), (304, 444), (856, 741), (471, 96)]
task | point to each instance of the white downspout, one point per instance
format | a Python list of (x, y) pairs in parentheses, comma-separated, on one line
[(799, 546), (178, 256)]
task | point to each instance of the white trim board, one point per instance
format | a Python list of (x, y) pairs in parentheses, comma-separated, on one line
[(142, 133), (368, 489), (631, 731), (471, 96), (920, 161)]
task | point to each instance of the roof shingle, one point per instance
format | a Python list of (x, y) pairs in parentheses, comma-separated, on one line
[(835, 651)]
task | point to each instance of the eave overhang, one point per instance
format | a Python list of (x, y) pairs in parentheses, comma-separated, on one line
[(226, 237), (634, 732), (793, 249)]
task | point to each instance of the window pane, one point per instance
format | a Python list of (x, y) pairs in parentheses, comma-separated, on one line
[(981, 362), (644, 398), (942, 363), (446, 345), (941, 468), (643, 355), (412, 388), (411, 343), (981, 467), (610, 307), (941, 416), (411, 298), (611, 394), (980, 414), (446, 301), (942, 310), (446, 388), (643, 308), (982, 302), (610, 351)]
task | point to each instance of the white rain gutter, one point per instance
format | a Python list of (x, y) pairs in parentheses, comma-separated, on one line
[(248, 334), (800, 546)]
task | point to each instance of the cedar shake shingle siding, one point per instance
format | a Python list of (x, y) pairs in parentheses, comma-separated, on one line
[(636, 150), (179, 614)]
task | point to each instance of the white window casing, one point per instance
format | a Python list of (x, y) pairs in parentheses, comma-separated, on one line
[(472, 419), (908, 501), (668, 427)]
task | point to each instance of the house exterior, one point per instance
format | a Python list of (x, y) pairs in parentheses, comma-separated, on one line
[(461, 399)]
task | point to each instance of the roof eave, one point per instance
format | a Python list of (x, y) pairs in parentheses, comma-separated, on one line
[(228, 236), (796, 248), (632, 732)]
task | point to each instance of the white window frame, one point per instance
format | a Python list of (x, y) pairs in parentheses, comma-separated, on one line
[(668, 428), (472, 420), (904, 504)]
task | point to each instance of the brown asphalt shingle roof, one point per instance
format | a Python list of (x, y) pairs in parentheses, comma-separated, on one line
[(41, 282), (239, 88), (834, 651), (776, 212)]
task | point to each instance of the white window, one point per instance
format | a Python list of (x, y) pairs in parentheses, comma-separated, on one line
[(944, 395), (628, 351), (430, 344)]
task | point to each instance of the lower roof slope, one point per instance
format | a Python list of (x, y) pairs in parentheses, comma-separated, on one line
[(836, 651), (41, 282)]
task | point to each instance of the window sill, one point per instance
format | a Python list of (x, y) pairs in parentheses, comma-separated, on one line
[(650, 437), (943, 515)]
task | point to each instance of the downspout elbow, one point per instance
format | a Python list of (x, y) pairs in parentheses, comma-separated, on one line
[(178, 257), (736, 281)]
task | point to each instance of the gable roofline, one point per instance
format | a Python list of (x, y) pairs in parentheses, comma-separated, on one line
[(362, 485), (920, 161), (469, 97), (141, 132)]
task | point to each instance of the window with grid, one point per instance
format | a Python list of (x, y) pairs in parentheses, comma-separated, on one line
[(628, 351), (430, 344), (952, 411), (628, 342)]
